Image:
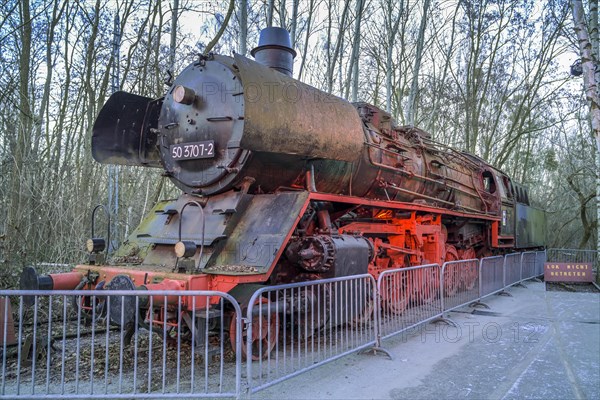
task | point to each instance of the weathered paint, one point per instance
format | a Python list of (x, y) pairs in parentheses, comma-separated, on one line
[(531, 226)]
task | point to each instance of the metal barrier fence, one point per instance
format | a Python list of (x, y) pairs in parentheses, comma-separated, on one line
[(408, 297), (540, 260), (297, 327), (491, 275), (481, 278), (579, 256), (512, 269), (528, 265), (459, 283), (109, 344)]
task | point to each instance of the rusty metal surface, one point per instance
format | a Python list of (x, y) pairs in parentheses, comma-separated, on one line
[(121, 133), (257, 235), (7, 324), (152, 243), (242, 232), (283, 115), (275, 129), (216, 113)]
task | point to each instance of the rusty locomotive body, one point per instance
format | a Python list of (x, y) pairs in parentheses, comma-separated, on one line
[(283, 182)]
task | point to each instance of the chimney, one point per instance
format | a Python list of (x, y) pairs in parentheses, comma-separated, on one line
[(275, 50)]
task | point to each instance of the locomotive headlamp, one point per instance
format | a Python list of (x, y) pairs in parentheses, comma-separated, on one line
[(183, 95), (95, 245), (185, 248)]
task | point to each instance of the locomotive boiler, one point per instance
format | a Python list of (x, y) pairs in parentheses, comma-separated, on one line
[(283, 182)]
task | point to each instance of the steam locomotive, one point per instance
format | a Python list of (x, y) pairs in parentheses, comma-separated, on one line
[(283, 182)]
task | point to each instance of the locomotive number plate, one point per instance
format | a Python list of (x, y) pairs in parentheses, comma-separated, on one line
[(194, 150)]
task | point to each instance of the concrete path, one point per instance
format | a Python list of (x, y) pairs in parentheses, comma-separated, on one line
[(534, 345)]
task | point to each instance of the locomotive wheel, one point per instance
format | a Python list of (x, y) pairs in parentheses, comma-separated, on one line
[(470, 273), (395, 294), (452, 276), (265, 331)]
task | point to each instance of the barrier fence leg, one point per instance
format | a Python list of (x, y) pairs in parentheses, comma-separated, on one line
[(446, 320), (478, 302), (443, 317), (377, 348)]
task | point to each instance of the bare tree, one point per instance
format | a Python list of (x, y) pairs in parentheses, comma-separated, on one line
[(352, 74), (391, 25), (214, 41), (270, 10), (414, 87), (173, 43), (311, 8), (294, 22), (333, 54), (243, 17), (590, 63)]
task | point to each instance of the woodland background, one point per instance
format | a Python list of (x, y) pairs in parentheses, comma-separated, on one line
[(491, 77)]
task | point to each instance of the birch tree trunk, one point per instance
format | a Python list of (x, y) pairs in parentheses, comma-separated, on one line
[(282, 16), (596, 47), (591, 77), (243, 38)]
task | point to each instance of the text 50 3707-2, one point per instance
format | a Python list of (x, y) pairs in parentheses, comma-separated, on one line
[(191, 151)]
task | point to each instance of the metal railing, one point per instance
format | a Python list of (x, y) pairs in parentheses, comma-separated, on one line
[(528, 265), (316, 322), (578, 256), (120, 344), (408, 297), (491, 275), (481, 278), (459, 283), (90, 344), (540, 260), (512, 269)]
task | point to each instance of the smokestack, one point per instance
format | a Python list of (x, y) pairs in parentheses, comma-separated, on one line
[(275, 50)]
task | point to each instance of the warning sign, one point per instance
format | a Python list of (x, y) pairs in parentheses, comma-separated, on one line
[(568, 272)]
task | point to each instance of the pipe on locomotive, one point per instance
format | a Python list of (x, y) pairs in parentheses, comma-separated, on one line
[(31, 280)]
